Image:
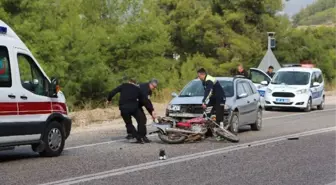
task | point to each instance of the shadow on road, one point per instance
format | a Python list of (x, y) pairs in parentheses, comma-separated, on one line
[(294, 110), (12, 155)]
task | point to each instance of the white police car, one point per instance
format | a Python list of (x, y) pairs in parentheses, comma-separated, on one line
[(296, 87), (33, 110)]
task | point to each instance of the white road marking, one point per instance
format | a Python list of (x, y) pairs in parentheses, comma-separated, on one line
[(154, 164), (119, 140), (332, 183)]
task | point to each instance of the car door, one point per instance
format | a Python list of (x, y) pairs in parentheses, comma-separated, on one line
[(241, 103), (257, 76), (316, 91), (312, 88), (251, 102), (8, 98), (34, 105), (320, 88)]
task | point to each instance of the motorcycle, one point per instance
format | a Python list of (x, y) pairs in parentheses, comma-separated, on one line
[(172, 131)]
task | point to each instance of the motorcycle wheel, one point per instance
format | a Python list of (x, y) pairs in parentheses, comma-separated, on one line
[(165, 138), (227, 135)]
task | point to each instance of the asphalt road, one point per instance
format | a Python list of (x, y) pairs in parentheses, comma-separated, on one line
[(264, 157)]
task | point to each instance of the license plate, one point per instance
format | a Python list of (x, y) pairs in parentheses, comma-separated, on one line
[(281, 100), (175, 107), (183, 115)]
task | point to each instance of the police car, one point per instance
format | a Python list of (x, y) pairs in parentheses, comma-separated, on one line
[(296, 87), (33, 110)]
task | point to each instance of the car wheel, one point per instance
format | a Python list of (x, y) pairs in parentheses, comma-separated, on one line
[(321, 106), (258, 124), (309, 105), (234, 123), (54, 139)]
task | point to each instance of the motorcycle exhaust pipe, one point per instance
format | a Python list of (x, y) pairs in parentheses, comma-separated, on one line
[(183, 131)]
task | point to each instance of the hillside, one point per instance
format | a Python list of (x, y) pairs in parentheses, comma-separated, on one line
[(322, 12)]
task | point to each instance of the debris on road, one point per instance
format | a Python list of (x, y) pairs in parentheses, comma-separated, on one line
[(162, 155), (293, 138)]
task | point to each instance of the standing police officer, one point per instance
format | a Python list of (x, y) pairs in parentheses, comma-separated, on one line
[(214, 93)]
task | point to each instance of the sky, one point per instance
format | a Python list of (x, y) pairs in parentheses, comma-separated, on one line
[(294, 6)]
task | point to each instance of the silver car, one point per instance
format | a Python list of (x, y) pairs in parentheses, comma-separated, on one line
[(242, 105)]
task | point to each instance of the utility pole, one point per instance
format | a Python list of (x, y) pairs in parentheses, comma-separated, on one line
[(270, 45), (271, 40)]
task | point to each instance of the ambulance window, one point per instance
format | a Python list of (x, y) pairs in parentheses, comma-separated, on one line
[(5, 73), (32, 78)]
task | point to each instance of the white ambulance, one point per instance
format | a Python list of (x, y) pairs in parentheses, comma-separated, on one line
[(33, 110)]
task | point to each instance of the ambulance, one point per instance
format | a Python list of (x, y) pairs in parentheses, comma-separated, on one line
[(33, 110)]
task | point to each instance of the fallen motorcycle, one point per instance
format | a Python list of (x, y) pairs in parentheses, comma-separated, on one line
[(172, 131)]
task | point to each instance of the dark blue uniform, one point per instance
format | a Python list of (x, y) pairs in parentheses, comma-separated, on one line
[(131, 98)]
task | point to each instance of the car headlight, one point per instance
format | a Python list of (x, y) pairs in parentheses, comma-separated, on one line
[(269, 90), (174, 107), (226, 107), (302, 91)]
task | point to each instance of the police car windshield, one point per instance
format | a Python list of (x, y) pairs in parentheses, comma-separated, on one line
[(195, 88), (291, 78)]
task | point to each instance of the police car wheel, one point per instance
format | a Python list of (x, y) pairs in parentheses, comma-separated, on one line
[(54, 139), (321, 106), (309, 106)]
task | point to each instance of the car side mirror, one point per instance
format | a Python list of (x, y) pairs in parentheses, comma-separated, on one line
[(35, 82), (316, 84), (174, 94), (264, 83), (242, 95), (54, 87)]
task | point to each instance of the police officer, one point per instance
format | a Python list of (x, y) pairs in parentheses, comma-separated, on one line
[(146, 90), (214, 93), (270, 72), (130, 98), (242, 71)]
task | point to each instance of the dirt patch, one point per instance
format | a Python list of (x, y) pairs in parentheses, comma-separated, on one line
[(330, 93), (85, 118)]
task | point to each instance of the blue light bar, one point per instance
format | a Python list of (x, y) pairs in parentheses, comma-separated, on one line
[(3, 30)]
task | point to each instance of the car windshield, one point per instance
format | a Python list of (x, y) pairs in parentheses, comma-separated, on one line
[(291, 78), (195, 88)]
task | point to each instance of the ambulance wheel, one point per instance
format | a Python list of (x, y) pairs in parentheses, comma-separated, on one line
[(54, 139)]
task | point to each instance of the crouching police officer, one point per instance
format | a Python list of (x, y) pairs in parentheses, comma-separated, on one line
[(129, 103), (146, 90)]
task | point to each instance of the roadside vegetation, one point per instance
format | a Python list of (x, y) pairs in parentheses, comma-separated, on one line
[(92, 45)]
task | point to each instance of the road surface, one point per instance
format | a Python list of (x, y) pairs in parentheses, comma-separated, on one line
[(264, 157)]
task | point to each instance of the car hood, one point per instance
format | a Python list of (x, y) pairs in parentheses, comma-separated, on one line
[(286, 88), (194, 100)]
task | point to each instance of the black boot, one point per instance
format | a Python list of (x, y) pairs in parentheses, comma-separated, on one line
[(129, 136), (146, 140), (140, 141)]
